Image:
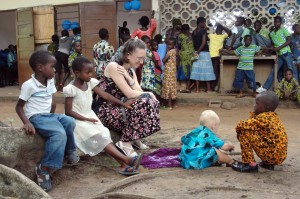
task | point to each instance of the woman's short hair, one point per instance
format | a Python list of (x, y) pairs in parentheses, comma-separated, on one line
[(129, 47), (144, 21)]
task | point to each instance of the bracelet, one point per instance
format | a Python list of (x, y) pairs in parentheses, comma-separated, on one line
[(132, 83)]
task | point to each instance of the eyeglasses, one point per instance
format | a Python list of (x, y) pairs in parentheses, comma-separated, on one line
[(140, 58)]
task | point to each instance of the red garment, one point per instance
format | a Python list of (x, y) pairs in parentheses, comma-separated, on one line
[(139, 33), (157, 58)]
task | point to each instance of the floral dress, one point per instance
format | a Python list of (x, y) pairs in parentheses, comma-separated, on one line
[(103, 52), (286, 86), (186, 53), (169, 80), (139, 122), (148, 74)]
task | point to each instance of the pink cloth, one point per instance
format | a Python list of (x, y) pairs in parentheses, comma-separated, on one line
[(157, 58), (139, 33)]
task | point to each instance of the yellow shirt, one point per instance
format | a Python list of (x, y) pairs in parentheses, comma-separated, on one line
[(216, 43)]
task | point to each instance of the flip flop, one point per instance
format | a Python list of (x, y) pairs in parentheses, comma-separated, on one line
[(127, 172), (137, 158)]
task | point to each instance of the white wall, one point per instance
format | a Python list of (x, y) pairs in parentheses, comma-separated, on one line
[(8, 29)]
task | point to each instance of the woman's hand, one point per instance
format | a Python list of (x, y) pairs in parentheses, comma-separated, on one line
[(124, 72)]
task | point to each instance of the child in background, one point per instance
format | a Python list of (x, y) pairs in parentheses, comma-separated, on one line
[(91, 136), (77, 53), (157, 69), (53, 47), (202, 69), (185, 56), (261, 35), (36, 109), (169, 90), (103, 51), (148, 73), (216, 41), (234, 41), (264, 133), (288, 88), (201, 147), (76, 37), (161, 50), (295, 46), (245, 67)]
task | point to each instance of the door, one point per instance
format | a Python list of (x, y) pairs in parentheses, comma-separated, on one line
[(94, 16), (25, 42)]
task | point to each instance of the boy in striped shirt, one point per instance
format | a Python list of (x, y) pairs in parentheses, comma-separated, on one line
[(245, 67)]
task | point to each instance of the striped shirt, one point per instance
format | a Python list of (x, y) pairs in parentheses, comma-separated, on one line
[(246, 55), (279, 38)]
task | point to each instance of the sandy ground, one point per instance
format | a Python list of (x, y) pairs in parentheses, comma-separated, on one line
[(96, 175)]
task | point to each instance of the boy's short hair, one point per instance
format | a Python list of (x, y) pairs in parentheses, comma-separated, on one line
[(278, 18), (65, 33), (153, 41), (200, 20), (185, 27), (103, 33), (288, 70), (294, 27), (270, 99), (158, 38), (145, 38), (247, 36), (76, 31), (39, 57), (209, 118)]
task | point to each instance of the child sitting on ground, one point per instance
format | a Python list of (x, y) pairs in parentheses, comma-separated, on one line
[(201, 147), (264, 133), (288, 88), (91, 136), (37, 99)]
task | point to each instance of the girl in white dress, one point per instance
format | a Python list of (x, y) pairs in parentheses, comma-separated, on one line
[(91, 137)]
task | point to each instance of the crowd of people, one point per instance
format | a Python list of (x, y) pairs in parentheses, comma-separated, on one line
[(122, 91), (8, 66)]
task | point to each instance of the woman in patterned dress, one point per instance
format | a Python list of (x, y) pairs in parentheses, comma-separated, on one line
[(121, 82), (169, 91)]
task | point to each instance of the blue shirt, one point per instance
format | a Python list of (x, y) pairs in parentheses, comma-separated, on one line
[(296, 46), (197, 150)]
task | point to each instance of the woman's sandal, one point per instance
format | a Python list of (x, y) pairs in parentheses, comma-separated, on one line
[(128, 171), (140, 146), (129, 153)]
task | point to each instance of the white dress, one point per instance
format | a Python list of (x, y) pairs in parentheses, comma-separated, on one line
[(90, 138)]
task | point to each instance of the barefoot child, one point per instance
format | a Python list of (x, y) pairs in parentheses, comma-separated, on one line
[(90, 135), (36, 109), (264, 133), (201, 147), (288, 88), (169, 91)]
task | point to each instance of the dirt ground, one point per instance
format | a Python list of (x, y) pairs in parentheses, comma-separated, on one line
[(96, 176)]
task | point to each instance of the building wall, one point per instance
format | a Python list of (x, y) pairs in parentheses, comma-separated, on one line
[(8, 29)]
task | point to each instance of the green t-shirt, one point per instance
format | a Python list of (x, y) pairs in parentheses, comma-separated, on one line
[(246, 55), (279, 38)]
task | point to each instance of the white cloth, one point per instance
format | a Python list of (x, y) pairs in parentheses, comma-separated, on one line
[(90, 138), (38, 97)]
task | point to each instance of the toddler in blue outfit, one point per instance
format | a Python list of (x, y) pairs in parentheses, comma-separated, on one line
[(201, 147)]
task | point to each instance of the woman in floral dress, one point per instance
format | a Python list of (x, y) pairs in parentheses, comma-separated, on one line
[(121, 82)]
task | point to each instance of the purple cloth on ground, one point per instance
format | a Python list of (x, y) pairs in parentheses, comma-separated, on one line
[(161, 158)]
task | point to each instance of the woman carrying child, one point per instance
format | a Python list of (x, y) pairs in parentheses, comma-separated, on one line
[(91, 136), (169, 91)]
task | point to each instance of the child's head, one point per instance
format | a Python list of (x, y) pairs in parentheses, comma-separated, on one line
[(210, 119), (146, 40), (43, 63), (65, 33), (83, 69), (144, 21), (158, 38), (154, 45), (171, 43), (176, 24), (239, 21), (77, 46), (247, 40), (76, 31), (103, 34), (11, 47), (124, 23), (277, 22), (185, 28), (248, 23), (125, 37), (201, 22), (265, 102), (55, 39), (257, 25), (296, 28), (219, 29), (288, 75)]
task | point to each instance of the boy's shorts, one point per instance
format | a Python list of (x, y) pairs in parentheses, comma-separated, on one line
[(241, 75)]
